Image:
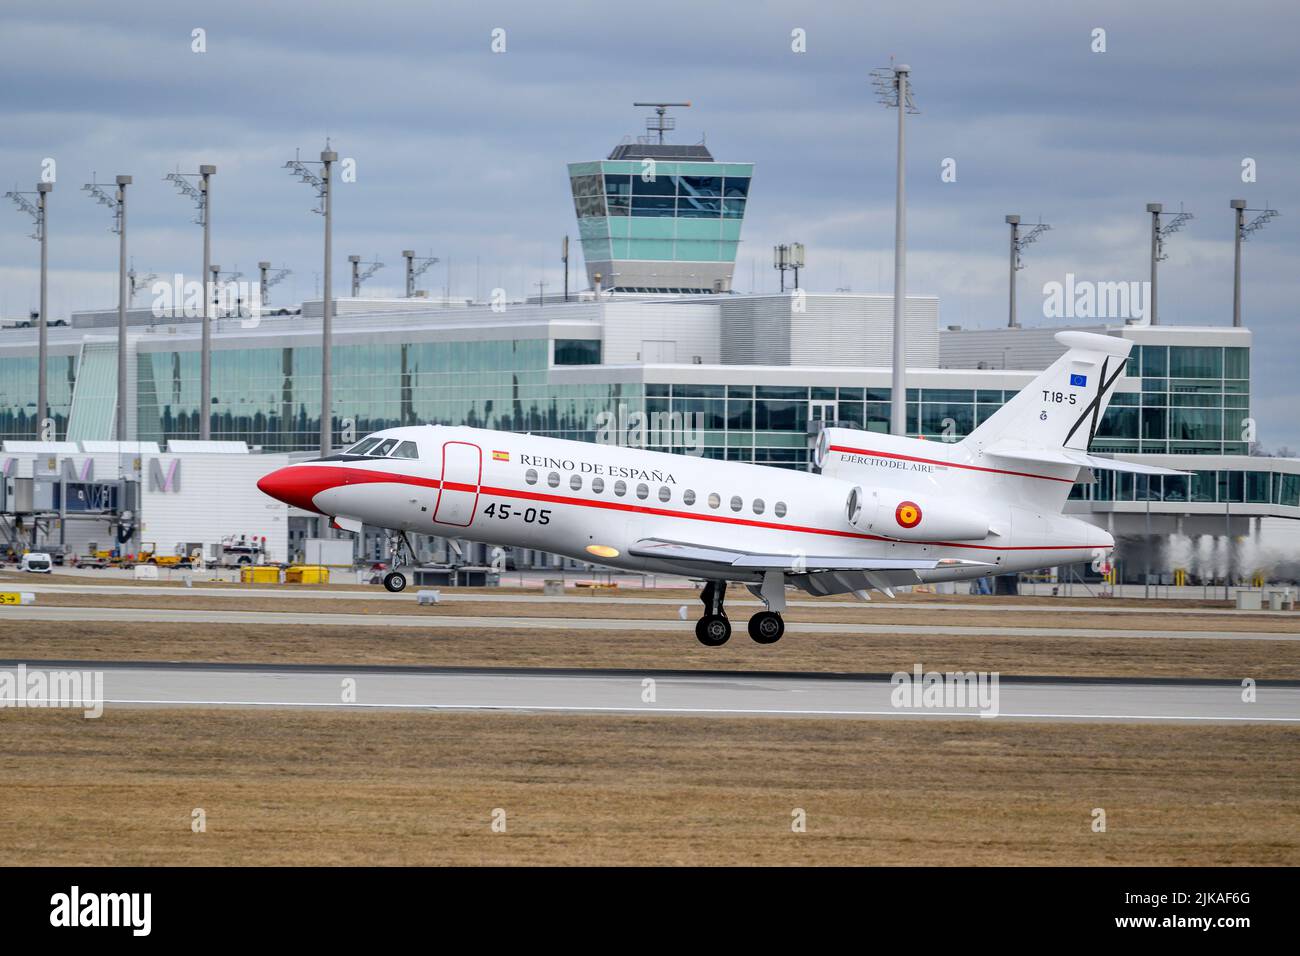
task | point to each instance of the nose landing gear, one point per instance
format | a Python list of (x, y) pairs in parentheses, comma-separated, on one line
[(395, 580)]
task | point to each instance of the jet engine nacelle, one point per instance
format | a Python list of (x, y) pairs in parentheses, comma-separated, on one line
[(909, 517)]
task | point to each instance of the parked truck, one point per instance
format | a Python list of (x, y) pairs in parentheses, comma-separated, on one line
[(237, 551)]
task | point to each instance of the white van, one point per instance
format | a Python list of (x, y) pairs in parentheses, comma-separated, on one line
[(37, 561)]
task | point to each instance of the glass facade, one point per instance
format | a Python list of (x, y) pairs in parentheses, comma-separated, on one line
[(680, 212), (1206, 487), (18, 385), (1194, 400), (271, 396), (577, 351)]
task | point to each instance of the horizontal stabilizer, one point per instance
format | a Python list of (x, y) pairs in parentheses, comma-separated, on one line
[(1069, 456)]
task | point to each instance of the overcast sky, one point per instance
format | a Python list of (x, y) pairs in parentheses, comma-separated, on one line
[(461, 151)]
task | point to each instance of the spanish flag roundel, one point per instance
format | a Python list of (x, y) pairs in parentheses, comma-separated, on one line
[(908, 514)]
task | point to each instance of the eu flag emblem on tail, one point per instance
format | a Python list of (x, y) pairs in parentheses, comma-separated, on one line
[(1081, 381)]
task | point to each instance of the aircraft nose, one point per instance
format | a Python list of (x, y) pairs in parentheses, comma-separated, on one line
[(295, 485)]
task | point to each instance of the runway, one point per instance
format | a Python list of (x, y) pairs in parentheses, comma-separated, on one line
[(437, 619), (701, 693), (739, 598)]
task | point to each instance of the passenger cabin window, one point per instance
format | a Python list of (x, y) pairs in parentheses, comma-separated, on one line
[(530, 476), (714, 499), (407, 449), (620, 488), (736, 503), (643, 491), (597, 485), (688, 497), (759, 506), (665, 493), (553, 479), (780, 509), (575, 482)]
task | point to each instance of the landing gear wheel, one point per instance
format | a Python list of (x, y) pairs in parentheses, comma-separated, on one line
[(395, 581), (713, 630), (766, 627)]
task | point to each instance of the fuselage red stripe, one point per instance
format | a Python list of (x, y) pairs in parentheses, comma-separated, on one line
[(946, 464), (519, 493)]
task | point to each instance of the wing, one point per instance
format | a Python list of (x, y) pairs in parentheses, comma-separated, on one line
[(815, 573)]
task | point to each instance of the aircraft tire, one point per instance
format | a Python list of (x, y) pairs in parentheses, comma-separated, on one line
[(395, 581), (713, 630), (766, 627)]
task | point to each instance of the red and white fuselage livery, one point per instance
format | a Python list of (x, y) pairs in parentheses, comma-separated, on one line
[(884, 511)]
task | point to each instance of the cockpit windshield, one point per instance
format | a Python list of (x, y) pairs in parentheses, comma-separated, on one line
[(380, 447), (363, 446)]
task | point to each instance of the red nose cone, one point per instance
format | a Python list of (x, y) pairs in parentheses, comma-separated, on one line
[(297, 485)]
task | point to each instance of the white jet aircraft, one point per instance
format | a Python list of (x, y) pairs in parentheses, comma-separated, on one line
[(885, 510)]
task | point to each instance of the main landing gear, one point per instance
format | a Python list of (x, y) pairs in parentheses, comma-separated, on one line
[(765, 627), (713, 629), (395, 580)]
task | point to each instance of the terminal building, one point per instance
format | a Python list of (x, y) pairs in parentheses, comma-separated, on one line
[(659, 352)]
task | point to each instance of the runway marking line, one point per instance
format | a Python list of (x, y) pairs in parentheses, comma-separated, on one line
[(696, 710)]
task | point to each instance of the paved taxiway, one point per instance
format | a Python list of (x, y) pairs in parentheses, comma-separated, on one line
[(438, 619), (718, 693), (736, 596)]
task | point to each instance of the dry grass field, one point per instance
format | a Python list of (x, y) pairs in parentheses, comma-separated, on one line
[(362, 788)]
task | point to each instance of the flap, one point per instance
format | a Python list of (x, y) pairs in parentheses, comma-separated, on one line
[(794, 562)]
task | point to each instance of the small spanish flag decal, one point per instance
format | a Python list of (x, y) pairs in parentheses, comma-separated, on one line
[(501, 456), (908, 514)]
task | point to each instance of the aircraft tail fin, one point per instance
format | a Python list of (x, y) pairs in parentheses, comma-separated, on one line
[(1063, 406)]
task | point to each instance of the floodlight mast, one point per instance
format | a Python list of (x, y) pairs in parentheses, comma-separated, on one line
[(116, 201), (219, 282), (267, 280), (135, 281), (564, 257), (321, 183), (201, 193), (1159, 233), (39, 213), (1018, 243), (893, 86), (1241, 233), (359, 277), (415, 267)]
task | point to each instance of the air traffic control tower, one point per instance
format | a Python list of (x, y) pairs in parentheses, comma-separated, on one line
[(657, 217)]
